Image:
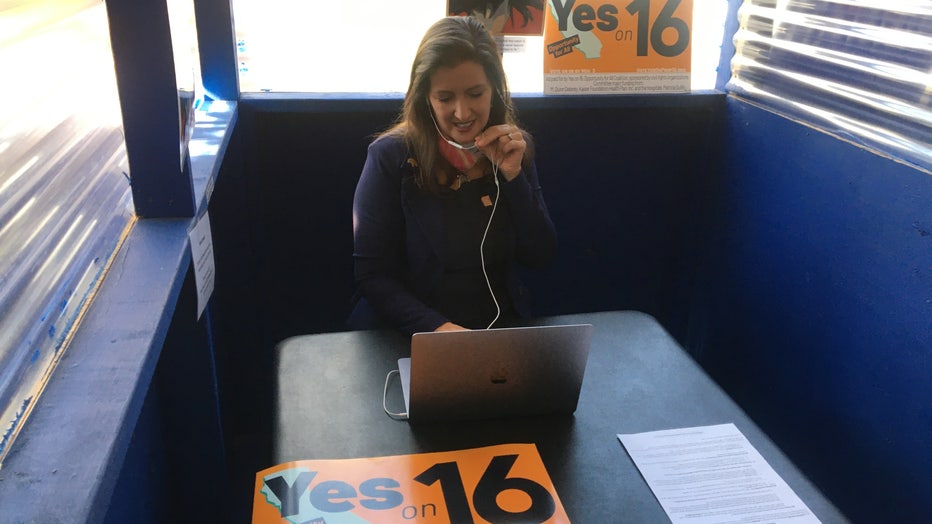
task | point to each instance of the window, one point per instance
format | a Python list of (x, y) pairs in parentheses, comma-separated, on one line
[(65, 198), (368, 45), (187, 65), (857, 69)]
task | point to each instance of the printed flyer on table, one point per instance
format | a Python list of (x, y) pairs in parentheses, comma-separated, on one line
[(504, 483)]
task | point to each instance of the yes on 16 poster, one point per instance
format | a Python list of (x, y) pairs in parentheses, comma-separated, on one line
[(617, 46), (503, 483)]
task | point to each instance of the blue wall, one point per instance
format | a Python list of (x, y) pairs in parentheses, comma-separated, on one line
[(175, 468), (815, 309)]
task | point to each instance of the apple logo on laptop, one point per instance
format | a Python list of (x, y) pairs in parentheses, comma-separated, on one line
[(499, 376)]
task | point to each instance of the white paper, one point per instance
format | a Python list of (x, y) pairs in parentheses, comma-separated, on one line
[(712, 474), (202, 256)]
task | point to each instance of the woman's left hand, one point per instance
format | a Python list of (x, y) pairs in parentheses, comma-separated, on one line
[(504, 145)]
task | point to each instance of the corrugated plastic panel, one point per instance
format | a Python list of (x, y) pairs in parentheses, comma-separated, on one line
[(859, 69), (65, 197)]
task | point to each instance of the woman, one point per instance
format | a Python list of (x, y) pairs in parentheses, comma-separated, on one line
[(448, 203)]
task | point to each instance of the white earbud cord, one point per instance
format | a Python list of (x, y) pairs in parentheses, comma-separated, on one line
[(498, 310), (474, 149)]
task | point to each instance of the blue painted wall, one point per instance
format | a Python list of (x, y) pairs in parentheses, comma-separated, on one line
[(815, 309), (175, 469)]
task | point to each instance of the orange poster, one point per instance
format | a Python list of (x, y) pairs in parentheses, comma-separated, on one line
[(617, 46), (505, 483), (502, 17)]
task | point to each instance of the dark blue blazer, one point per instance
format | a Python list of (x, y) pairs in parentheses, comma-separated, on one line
[(398, 235)]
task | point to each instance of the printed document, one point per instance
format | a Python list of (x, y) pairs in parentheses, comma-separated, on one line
[(712, 474), (202, 256)]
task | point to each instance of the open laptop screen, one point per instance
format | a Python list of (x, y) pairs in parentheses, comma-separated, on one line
[(458, 375)]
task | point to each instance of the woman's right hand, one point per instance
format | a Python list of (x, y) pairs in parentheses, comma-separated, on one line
[(450, 326)]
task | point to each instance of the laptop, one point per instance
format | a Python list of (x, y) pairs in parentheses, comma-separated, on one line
[(478, 374)]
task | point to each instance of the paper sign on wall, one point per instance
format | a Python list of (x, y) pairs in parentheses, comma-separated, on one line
[(202, 256), (617, 46), (505, 483)]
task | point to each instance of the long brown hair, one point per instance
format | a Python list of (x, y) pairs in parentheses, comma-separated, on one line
[(448, 43)]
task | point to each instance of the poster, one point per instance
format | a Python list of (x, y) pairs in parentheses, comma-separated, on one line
[(617, 46), (504, 483), (503, 17), (202, 256)]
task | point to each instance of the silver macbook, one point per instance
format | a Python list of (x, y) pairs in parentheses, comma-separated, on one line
[(462, 375)]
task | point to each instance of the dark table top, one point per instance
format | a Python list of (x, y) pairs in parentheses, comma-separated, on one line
[(329, 406)]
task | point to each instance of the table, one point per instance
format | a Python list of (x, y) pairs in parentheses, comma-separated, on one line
[(329, 406)]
